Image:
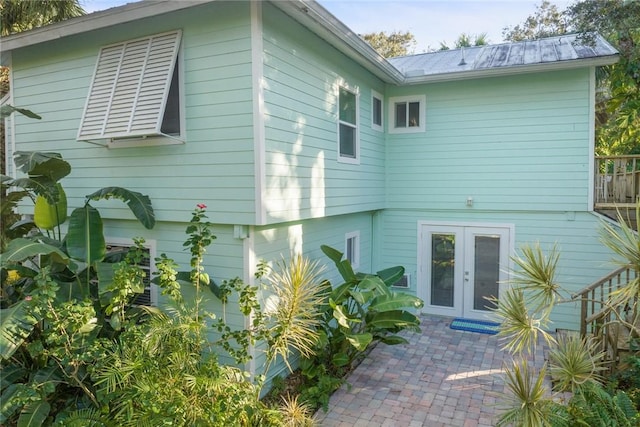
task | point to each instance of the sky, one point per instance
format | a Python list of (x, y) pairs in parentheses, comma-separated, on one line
[(430, 21)]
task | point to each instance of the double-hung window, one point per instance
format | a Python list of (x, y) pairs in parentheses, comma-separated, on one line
[(348, 135), (407, 114), (352, 248), (135, 91), (376, 111)]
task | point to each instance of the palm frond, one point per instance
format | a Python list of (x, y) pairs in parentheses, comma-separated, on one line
[(527, 405), (297, 312), (295, 413), (518, 329), (535, 274), (574, 362)]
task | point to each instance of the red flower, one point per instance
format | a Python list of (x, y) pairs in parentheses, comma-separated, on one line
[(28, 298), (201, 206)]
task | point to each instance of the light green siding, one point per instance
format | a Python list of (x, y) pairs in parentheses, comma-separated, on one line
[(216, 164), (511, 143), (304, 179), (583, 258)]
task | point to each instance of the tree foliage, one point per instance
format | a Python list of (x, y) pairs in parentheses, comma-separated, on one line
[(618, 109), (618, 92), (22, 15), (545, 22), (391, 45)]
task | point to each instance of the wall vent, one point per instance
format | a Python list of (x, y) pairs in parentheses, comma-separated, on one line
[(404, 282)]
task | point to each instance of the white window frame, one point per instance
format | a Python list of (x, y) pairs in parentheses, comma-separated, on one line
[(393, 101), (143, 130), (354, 256), (375, 95), (343, 158), (151, 246)]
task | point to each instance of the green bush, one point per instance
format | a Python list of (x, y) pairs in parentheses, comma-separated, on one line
[(357, 314)]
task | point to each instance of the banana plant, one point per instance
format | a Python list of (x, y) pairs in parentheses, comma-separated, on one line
[(45, 271), (360, 312)]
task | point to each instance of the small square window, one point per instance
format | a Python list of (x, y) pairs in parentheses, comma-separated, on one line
[(408, 114), (376, 111), (347, 125), (352, 248)]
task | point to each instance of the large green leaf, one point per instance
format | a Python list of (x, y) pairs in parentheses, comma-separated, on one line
[(343, 266), (393, 340), (15, 326), (42, 166), (359, 341), (340, 359), (6, 110), (9, 405), (10, 374), (375, 284), (341, 293), (390, 276), (139, 204), (21, 249), (392, 320), (34, 414), (395, 301), (46, 375), (85, 238), (341, 317)]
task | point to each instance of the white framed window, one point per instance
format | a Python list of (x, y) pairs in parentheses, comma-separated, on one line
[(407, 114), (352, 248), (118, 248), (348, 132), (377, 111), (135, 93)]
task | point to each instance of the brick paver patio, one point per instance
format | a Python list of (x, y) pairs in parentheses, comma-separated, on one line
[(443, 377)]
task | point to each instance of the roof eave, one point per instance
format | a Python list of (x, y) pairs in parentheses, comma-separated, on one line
[(522, 69), (318, 20), (93, 21)]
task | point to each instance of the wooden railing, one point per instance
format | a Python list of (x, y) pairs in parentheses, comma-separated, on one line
[(600, 320), (617, 180)]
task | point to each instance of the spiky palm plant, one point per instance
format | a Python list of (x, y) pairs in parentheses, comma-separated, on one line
[(535, 273), (296, 313), (528, 404), (574, 362), (295, 413), (519, 329)]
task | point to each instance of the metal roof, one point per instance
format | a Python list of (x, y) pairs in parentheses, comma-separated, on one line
[(562, 51), (546, 54)]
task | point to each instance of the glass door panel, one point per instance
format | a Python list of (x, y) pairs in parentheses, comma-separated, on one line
[(442, 269), (486, 272)]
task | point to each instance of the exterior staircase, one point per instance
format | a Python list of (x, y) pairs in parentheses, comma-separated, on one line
[(601, 319)]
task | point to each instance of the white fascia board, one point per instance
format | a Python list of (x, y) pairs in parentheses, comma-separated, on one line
[(93, 21), (505, 71)]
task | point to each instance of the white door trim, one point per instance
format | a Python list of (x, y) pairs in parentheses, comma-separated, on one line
[(424, 252)]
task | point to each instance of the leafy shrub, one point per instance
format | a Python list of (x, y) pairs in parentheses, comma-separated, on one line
[(62, 304), (357, 314)]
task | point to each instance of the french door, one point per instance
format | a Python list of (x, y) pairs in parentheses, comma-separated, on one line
[(461, 267)]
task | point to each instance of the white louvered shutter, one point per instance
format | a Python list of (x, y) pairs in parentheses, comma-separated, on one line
[(130, 86)]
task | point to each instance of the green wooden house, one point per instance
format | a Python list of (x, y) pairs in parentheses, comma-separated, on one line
[(296, 133)]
